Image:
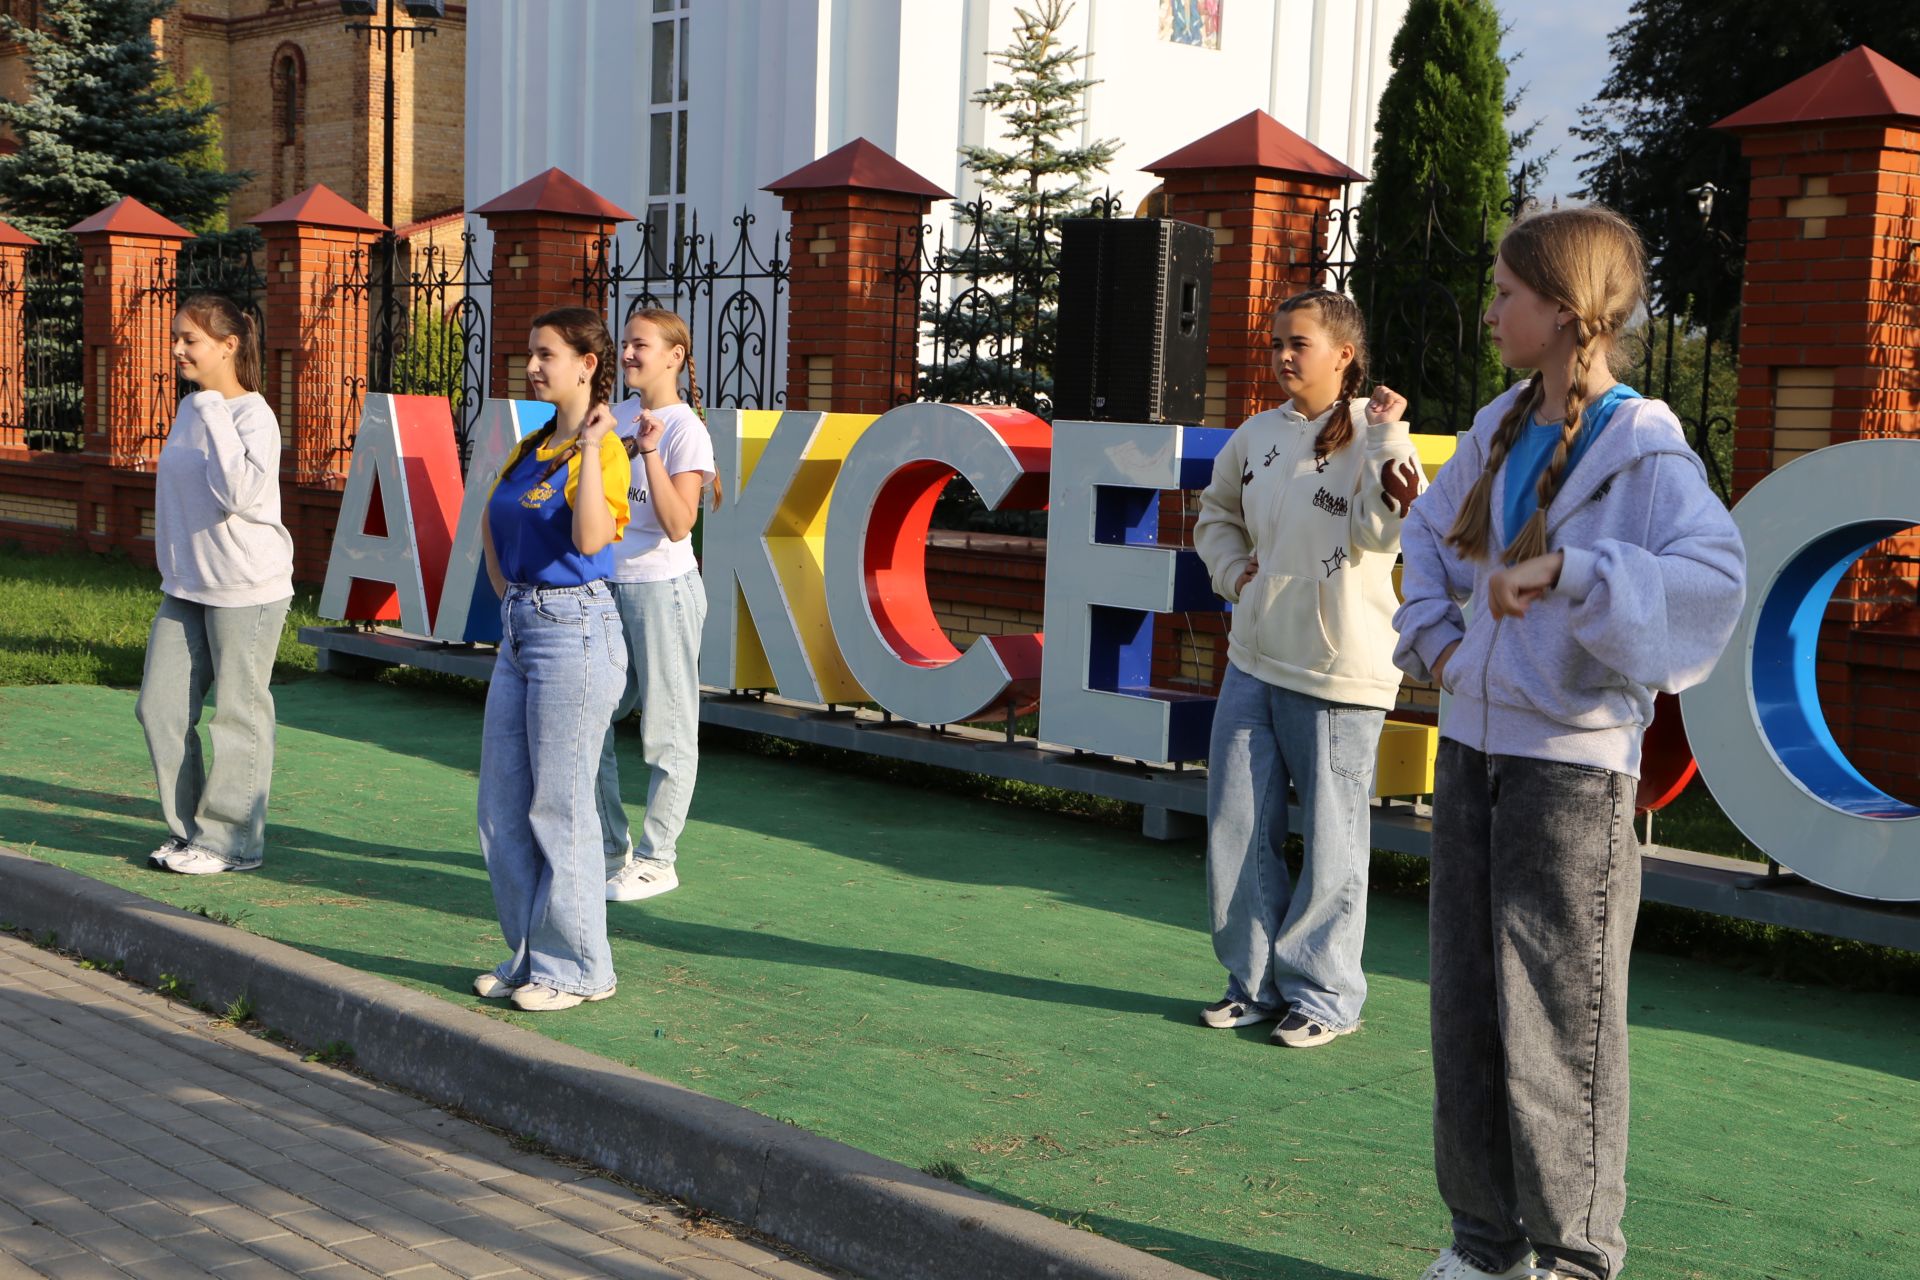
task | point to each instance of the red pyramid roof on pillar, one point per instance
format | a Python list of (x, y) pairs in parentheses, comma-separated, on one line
[(320, 206), (1255, 141), (131, 218), (861, 166), (12, 236), (556, 191), (1857, 85)]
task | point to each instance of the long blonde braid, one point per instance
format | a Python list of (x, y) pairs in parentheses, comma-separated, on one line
[(1473, 525), (1532, 538), (1588, 260)]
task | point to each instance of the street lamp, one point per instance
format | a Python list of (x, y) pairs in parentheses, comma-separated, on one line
[(408, 38), (1703, 200)]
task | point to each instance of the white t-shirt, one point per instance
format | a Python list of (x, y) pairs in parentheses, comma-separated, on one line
[(644, 553)]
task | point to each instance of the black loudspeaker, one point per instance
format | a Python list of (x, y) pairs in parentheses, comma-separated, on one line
[(1134, 298)]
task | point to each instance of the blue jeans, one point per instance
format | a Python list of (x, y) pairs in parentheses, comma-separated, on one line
[(663, 621), (1536, 888), (562, 661), (1284, 943), (230, 649)]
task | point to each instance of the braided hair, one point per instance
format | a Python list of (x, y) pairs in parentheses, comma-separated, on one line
[(674, 333), (586, 333), (1590, 262), (1344, 323)]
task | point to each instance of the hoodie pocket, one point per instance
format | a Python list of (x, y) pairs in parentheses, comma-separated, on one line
[(1285, 625)]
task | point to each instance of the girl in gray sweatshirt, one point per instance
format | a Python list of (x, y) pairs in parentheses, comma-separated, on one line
[(1567, 563), (226, 579)]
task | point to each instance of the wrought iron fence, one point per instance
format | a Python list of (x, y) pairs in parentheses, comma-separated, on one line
[(730, 295), (140, 412), (404, 320), (50, 379), (1424, 297), (979, 300)]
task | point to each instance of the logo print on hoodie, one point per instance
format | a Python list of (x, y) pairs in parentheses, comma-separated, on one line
[(1271, 455), (1335, 562), (1331, 505)]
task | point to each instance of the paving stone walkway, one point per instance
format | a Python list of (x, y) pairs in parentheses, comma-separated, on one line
[(141, 1137)]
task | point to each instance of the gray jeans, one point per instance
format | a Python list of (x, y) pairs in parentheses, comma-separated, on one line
[(1536, 888), (191, 648), (663, 621)]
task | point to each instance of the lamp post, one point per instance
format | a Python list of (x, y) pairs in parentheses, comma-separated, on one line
[(409, 37)]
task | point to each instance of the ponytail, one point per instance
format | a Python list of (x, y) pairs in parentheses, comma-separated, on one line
[(220, 318)]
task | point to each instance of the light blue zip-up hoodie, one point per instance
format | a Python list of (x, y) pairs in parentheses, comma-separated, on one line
[(1654, 581)]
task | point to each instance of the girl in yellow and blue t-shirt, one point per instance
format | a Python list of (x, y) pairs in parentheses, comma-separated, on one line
[(556, 510)]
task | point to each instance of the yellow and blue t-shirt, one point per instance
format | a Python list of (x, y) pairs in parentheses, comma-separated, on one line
[(532, 518)]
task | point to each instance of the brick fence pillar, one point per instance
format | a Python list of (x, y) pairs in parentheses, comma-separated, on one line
[(319, 273), (853, 327), (545, 232), (1265, 192), (128, 256), (1830, 352), (13, 338)]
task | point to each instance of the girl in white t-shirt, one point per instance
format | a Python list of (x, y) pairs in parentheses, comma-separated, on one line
[(663, 602)]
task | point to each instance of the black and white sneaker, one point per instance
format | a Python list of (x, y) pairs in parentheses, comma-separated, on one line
[(1298, 1031), (170, 846), (1236, 1013)]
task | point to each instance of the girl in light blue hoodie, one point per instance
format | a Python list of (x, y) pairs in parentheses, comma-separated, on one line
[(1596, 567)]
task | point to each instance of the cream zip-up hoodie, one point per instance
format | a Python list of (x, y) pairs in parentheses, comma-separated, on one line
[(217, 535), (1319, 617)]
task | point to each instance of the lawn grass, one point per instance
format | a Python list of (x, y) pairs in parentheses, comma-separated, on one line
[(80, 618)]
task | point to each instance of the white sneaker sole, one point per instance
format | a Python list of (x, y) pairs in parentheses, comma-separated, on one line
[(548, 1000), (1313, 1042), (618, 890), (1247, 1019)]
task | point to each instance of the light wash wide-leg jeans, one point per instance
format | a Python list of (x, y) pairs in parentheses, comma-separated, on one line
[(562, 664), (663, 621), (1284, 943)]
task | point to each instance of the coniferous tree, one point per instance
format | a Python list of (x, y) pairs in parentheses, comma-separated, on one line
[(995, 342), (99, 119), (1439, 192), (1680, 65)]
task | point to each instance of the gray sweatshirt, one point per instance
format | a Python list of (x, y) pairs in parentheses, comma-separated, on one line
[(1654, 581), (217, 534)]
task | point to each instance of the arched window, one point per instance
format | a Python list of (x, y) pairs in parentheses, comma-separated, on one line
[(288, 80), (287, 95)]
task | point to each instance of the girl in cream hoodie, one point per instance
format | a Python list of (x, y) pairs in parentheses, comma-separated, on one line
[(226, 579), (1300, 528)]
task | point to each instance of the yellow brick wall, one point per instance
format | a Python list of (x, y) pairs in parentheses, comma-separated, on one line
[(57, 513), (235, 42)]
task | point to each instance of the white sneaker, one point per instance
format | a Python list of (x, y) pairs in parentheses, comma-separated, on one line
[(1451, 1266), (642, 878), (536, 997), (190, 861), (488, 986), (168, 847)]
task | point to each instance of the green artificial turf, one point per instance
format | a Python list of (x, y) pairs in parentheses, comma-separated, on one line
[(1008, 995)]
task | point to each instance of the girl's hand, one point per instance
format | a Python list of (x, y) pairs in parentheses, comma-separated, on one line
[(1399, 484), (1512, 591), (1440, 665), (1247, 574), (651, 429), (595, 428), (1385, 405)]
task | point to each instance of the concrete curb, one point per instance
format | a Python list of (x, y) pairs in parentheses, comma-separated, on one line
[(831, 1201)]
